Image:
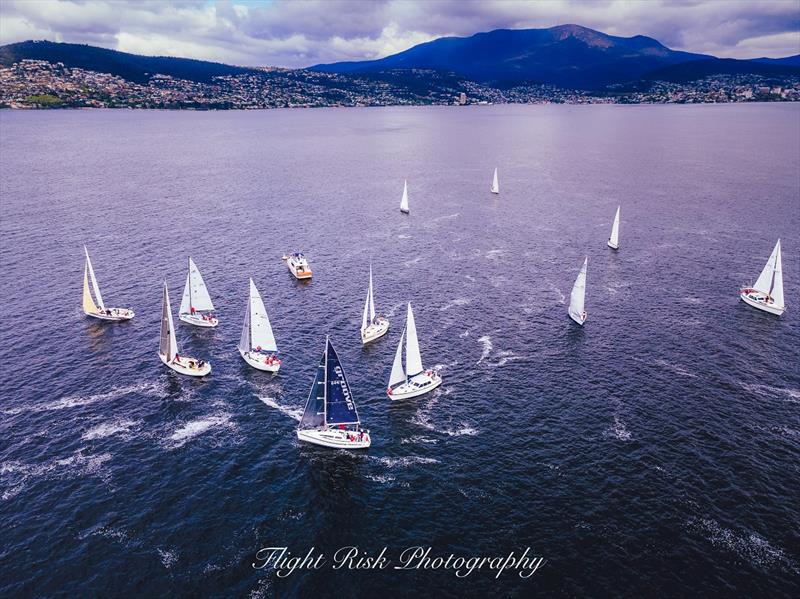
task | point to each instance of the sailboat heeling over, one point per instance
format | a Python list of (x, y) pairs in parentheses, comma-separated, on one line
[(195, 292), (314, 412), (413, 357), (168, 346), (340, 407), (577, 297), (398, 375), (770, 281)]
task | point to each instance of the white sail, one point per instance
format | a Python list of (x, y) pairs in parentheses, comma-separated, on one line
[(398, 374), (614, 239), (371, 297), (96, 288), (244, 340), (576, 298), (195, 294), (168, 345), (495, 183), (413, 357), (365, 315), (770, 281), (404, 199), (261, 335), (89, 307)]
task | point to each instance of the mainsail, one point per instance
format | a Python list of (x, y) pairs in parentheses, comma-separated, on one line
[(371, 297), (614, 239), (398, 375), (770, 281), (330, 401), (195, 293), (168, 346), (261, 335), (413, 357), (404, 199), (89, 307), (495, 183), (95, 287), (314, 413), (576, 298)]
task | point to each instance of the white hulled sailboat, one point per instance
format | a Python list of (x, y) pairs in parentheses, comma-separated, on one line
[(99, 309), (168, 345), (413, 380), (767, 292), (404, 199), (196, 306), (577, 311), (495, 183), (330, 417), (257, 345), (613, 241), (372, 326)]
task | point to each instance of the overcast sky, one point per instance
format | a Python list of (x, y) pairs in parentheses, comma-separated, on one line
[(300, 33)]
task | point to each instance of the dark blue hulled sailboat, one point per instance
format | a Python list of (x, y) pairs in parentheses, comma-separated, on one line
[(330, 417)]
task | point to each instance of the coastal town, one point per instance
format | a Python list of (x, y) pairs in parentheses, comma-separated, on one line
[(42, 84)]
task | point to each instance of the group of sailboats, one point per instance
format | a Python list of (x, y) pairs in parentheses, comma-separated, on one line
[(495, 189)]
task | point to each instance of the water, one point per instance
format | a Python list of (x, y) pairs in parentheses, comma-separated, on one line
[(656, 448)]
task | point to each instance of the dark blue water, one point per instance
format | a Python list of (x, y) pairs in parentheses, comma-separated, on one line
[(656, 450)]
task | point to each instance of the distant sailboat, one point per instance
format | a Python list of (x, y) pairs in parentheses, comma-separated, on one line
[(196, 306), (613, 241), (99, 309), (257, 345), (495, 183), (413, 380), (372, 327), (577, 311), (330, 417), (404, 199), (168, 346), (767, 292)]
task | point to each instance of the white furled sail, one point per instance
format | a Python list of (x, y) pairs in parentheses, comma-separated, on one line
[(404, 199), (195, 294), (371, 297), (261, 335), (95, 286), (770, 281), (413, 357), (577, 297), (398, 374), (613, 241), (365, 317), (495, 183), (168, 345)]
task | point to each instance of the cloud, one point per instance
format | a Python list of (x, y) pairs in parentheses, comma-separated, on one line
[(298, 33)]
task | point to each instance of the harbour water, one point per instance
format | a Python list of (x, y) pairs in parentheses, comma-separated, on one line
[(657, 447)]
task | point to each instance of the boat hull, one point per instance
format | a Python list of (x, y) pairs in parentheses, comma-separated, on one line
[(334, 438), (578, 318), (117, 315), (613, 246), (184, 368), (260, 364), (403, 211), (408, 389), (374, 331), (745, 296), (198, 321)]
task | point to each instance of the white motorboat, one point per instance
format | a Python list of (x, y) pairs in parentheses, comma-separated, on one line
[(168, 345), (767, 292), (298, 265), (98, 309), (577, 311), (196, 306), (257, 345), (413, 379), (330, 418), (404, 199), (495, 183), (372, 327), (613, 240)]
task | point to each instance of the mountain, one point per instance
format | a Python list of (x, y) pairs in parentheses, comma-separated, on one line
[(697, 69), (793, 61), (565, 56), (128, 66)]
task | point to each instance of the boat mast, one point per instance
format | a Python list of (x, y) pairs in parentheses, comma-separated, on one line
[(190, 284), (325, 384)]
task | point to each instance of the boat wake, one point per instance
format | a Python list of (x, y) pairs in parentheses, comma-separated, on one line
[(674, 368), (487, 347), (293, 413), (462, 301), (107, 429), (417, 439), (561, 297), (404, 461), (74, 401), (15, 475), (197, 427), (793, 395), (619, 430)]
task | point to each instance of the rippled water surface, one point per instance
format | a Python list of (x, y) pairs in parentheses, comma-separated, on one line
[(656, 448)]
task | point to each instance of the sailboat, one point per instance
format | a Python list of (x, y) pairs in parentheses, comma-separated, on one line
[(613, 241), (330, 417), (257, 345), (99, 309), (372, 327), (168, 346), (413, 380), (495, 183), (196, 306), (767, 293), (577, 310), (404, 199)]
